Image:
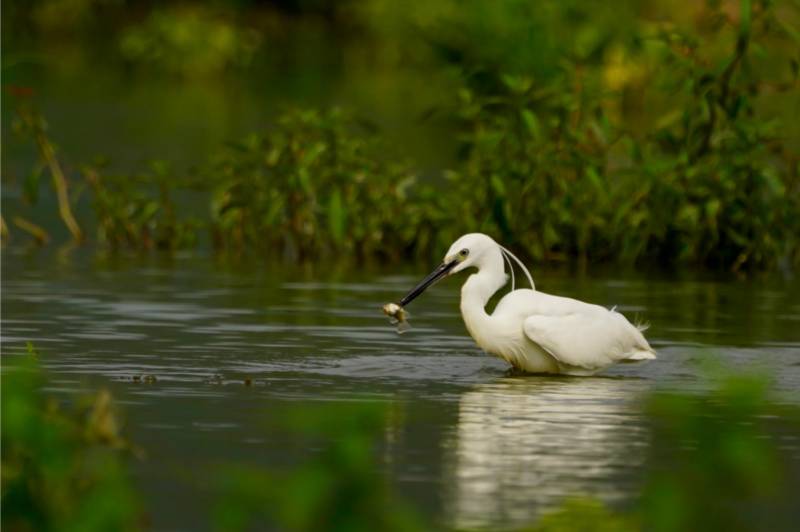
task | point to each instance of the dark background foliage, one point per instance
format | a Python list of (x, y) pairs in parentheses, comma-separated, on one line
[(656, 132)]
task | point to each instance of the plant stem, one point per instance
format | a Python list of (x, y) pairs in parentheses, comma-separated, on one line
[(40, 235), (724, 81), (48, 154), (4, 232), (60, 184)]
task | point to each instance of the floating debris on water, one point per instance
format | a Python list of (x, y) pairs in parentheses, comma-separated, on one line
[(398, 316), (213, 379), (248, 381), (147, 379)]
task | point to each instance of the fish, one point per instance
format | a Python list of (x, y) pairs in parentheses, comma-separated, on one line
[(398, 316)]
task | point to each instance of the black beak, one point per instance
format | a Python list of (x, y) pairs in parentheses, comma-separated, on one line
[(434, 276)]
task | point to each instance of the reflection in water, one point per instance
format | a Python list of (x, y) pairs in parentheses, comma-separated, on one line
[(523, 444)]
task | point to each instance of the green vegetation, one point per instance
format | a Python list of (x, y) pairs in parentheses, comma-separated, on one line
[(585, 515), (31, 124), (188, 41), (656, 135), (313, 185), (701, 176), (62, 469), (139, 212)]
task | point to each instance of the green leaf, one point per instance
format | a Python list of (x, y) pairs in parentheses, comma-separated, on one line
[(712, 210), (31, 184), (594, 177), (304, 178), (149, 211), (517, 84), (745, 11), (337, 217), (531, 123)]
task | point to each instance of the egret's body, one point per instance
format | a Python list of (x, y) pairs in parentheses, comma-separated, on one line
[(533, 331)]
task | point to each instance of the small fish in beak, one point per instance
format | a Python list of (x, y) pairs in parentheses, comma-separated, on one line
[(398, 316), (397, 311)]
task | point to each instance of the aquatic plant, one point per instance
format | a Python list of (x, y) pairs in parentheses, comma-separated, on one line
[(140, 212), (62, 468), (32, 124), (311, 185)]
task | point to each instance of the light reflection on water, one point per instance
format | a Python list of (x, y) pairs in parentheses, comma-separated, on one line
[(524, 444), (476, 448)]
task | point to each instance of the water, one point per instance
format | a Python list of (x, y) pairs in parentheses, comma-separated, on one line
[(471, 445)]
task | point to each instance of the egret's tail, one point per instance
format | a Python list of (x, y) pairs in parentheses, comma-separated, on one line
[(640, 355)]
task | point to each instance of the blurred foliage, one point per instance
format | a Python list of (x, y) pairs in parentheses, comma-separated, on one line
[(584, 515), (339, 488), (639, 132), (702, 178), (485, 40), (315, 184), (62, 469), (190, 41), (140, 212)]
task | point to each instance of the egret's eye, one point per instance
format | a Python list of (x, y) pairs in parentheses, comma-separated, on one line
[(463, 253)]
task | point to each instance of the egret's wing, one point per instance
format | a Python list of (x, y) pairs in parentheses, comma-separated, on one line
[(590, 340)]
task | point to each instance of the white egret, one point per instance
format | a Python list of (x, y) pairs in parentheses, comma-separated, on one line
[(533, 331)]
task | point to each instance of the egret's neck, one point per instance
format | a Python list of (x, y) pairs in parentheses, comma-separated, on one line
[(479, 288)]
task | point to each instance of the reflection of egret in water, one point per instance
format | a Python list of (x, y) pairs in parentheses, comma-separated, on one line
[(524, 444)]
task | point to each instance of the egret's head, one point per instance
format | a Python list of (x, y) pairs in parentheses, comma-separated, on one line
[(468, 250), (465, 252)]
